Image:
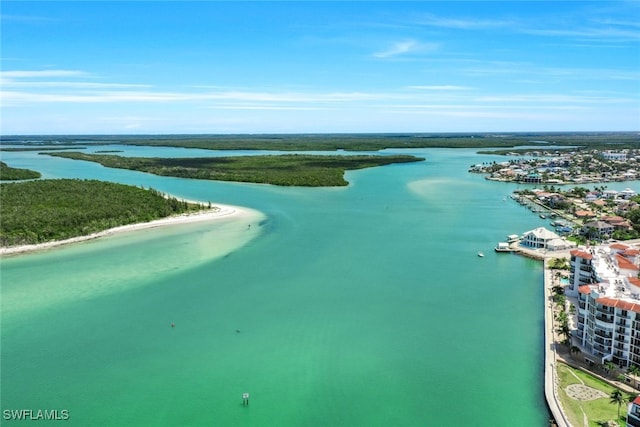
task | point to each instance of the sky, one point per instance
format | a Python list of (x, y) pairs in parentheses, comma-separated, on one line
[(154, 67)]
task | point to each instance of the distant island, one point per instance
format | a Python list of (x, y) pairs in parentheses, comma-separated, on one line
[(285, 170)]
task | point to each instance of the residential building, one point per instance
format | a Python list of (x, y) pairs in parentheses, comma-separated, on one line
[(541, 238), (633, 413), (608, 295), (597, 230)]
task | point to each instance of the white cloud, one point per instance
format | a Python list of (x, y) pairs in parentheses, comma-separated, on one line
[(406, 47), (463, 23), (440, 87), (26, 74)]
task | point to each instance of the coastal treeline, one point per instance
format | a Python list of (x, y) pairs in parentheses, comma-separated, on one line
[(349, 142), (7, 173), (286, 170), (46, 210)]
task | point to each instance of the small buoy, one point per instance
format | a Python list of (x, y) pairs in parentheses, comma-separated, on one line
[(173, 325), (237, 331), (245, 399)]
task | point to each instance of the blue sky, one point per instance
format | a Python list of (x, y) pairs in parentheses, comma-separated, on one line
[(88, 67)]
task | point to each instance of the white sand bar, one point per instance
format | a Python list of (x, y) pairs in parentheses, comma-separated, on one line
[(216, 212)]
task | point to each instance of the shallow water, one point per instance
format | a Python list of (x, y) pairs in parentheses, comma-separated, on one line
[(357, 306)]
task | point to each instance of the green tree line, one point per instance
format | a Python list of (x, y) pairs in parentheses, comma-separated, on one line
[(8, 173), (351, 142), (287, 170), (46, 210)]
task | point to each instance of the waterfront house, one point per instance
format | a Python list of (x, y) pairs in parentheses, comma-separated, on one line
[(597, 230), (584, 214), (628, 193), (541, 238)]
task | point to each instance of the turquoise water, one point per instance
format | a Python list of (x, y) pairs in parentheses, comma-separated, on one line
[(357, 306)]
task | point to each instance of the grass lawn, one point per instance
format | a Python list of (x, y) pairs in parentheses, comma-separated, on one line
[(597, 410)]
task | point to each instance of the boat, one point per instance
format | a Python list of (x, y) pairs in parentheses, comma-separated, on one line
[(512, 238), (543, 216), (480, 254), (502, 247)]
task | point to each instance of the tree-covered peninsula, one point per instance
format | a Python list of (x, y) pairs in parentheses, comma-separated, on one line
[(7, 173), (286, 170), (45, 210)]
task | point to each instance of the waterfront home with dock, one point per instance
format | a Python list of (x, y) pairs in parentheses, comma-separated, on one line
[(541, 238)]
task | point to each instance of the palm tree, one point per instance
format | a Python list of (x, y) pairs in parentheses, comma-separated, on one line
[(609, 366), (562, 317), (616, 396), (634, 370), (574, 350), (564, 330)]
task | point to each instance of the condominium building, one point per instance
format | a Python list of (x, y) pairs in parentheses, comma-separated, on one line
[(605, 281)]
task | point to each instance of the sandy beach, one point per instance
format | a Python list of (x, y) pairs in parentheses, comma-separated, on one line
[(217, 211)]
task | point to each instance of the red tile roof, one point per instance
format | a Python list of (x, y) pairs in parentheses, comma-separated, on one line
[(634, 281), (581, 254), (623, 305), (584, 289), (637, 400), (620, 246), (625, 263)]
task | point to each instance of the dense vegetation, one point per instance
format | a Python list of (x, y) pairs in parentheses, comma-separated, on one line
[(45, 210), (289, 170), (8, 173), (351, 142)]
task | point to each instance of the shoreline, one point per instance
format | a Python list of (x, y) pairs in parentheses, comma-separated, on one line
[(217, 211)]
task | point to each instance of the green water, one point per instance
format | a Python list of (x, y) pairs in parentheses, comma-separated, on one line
[(357, 306)]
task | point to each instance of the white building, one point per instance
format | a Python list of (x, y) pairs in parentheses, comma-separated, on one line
[(541, 238), (633, 413), (614, 155), (608, 293)]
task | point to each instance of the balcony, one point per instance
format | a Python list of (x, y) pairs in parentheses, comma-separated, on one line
[(604, 318), (599, 354), (604, 334), (604, 309), (602, 348)]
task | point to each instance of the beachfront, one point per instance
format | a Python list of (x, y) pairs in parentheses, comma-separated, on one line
[(216, 212)]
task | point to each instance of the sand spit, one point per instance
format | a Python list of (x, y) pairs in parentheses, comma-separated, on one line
[(216, 212)]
